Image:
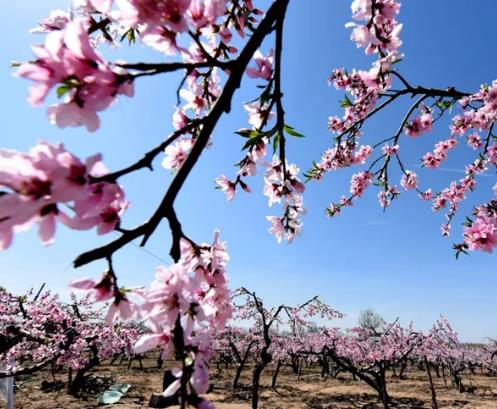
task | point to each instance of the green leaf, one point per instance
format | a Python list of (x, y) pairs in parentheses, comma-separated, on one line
[(291, 131), (276, 141), (346, 102), (248, 144), (244, 132), (265, 96), (62, 89), (129, 35)]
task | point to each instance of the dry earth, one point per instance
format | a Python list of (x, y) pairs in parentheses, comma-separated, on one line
[(310, 392)]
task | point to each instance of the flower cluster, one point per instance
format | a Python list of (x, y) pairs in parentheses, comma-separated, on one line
[(481, 234), (359, 182), (87, 82), (342, 155), (379, 34), (263, 68), (39, 182), (281, 182), (409, 180), (41, 329), (419, 125), (177, 153), (439, 154), (184, 302), (370, 91)]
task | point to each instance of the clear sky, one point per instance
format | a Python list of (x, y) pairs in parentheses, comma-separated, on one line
[(395, 262)]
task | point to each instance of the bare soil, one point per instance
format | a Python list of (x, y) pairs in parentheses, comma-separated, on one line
[(308, 392)]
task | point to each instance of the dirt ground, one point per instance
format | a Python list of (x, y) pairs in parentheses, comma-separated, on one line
[(310, 392)]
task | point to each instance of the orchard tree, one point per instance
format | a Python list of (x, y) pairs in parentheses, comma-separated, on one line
[(38, 330), (369, 319), (214, 43), (267, 321)]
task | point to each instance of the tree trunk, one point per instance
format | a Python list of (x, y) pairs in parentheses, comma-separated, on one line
[(443, 373), (300, 369), (403, 366), (256, 377), (240, 365), (432, 388), (275, 374), (77, 383), (382, 388), (239, 369)]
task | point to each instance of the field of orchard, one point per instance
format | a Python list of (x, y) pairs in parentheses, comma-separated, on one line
[(64, 355), (197, 103)]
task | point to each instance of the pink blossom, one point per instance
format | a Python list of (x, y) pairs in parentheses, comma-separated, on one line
[(180, 120), (70, 114), (121, 308), (205, 12), (277, 228), (390, 150), (227, 186), (47, 176), (359, 182), (362, 154), (161, 39), (102, 6), (419, 125), (474, 141), (257, 113), (430, 161), (88, 82), (102, 290), (481, 235), (409, 180), (383, 199), (153, 13), (57, 20), (176, 153), (150, 341), (264, 66), (445, 230), (427, 195), (380, 32)]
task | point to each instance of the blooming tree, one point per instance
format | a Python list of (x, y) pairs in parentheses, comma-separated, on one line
[(264, 323), (214, 43), (40, 330)]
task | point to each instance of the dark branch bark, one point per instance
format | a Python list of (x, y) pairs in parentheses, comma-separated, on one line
[(222, 105), (147, 69), (148, 158)]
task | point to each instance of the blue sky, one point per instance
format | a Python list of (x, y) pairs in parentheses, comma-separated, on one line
[(395, 262)]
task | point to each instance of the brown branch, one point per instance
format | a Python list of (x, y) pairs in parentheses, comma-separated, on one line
[(27, 370), (222, 105), (148, 158), (161, 68), (100, 25), (280, 113), (450, 92)]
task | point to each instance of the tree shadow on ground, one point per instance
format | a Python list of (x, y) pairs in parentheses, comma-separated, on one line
[(361, 401)]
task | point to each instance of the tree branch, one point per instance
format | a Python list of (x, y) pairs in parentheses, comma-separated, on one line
[(222, 105), (148, 158), (160, 68)]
